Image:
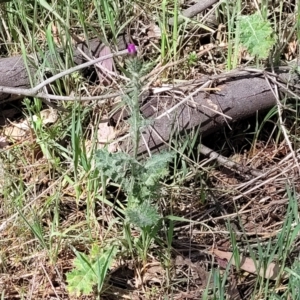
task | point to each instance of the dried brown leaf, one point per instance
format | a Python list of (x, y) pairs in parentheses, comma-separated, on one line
[(154, 31), (105, 67), (106, 134), (49, 116), (16, 131), (249, 265)]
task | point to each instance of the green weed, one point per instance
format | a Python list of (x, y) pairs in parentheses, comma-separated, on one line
[(257, 35), (90, 271), (139, 179)]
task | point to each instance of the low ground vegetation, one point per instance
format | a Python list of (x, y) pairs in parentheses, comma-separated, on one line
[(81, 218)]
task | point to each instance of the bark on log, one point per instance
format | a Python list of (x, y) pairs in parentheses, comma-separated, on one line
[(238, 98), (13, 72)]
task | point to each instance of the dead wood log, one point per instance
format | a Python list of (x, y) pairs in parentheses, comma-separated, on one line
[(238, 98), (13, 71)]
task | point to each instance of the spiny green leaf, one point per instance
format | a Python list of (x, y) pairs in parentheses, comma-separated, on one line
[(143, 215), (82, 278), (89, 271), (113, 165)]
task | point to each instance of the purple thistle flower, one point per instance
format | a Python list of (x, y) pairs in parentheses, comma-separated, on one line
[(131, 49)]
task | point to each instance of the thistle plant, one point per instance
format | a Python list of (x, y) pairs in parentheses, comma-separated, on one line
[(140, 182), (139, 179)]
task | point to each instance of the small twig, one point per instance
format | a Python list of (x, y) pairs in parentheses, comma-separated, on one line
[(194, 10), (224, 161), (71, 98)]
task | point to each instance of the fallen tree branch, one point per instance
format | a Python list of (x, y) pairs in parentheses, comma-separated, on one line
[(232, 165), (240, 96), (14, 74), (34, 92)]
